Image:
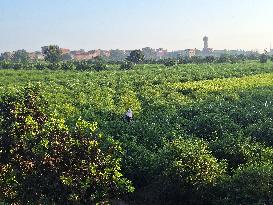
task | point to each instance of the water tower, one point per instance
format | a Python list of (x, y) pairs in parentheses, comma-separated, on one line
[(206, 45)]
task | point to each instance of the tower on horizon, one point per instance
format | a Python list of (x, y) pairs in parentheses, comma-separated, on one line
[(206, 44)]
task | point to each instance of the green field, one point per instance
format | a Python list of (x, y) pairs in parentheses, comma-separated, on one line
[(201, 134)]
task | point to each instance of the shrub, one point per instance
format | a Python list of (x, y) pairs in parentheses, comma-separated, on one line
[(126, 65), (43, 161), (190, 161), (169, 62), (262, 131), (69, 66), (136, 56), (240, 150), (99, 66), (52, 53), (210, 125), (224, 58), (271, 58), (188, 171), (209, 59), (251, 184), (263, 58)]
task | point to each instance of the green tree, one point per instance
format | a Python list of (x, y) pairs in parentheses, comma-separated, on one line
[(184, 60), (224, 58), (263, 58), (188, 171), (117, 55), (66, 57), (239, 150), (149, 53), (43, 161), (169, 62), (241, 57), (253, 56), (196, 59), (126, 65), (250, 184), (209, 59), (52, 53), (136, 56), (7, 56), (20, 56), (233, 59)]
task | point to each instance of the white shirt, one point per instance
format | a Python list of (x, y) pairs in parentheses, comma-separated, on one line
[(129, 113)]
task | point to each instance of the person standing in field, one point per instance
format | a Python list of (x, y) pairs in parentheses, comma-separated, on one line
[(128, 116)]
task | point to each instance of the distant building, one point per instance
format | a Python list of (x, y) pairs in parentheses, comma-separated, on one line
[(83, 56), (36, 55), (80, 55), (161, 53), (175, 54), (218, 53), (206, 50), (190, 52), (206, 44), (149, 53), (64, 50), (77, 52)]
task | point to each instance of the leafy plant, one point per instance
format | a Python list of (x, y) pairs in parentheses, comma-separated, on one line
[(250, 184), (136, 56), (263, 58), (45, 161), (126, 65), (189, 170), (52, 53)]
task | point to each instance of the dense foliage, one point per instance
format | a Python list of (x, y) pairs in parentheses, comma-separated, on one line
[(52, 53), (136, 56), (19, 56), (200, 134), (43, 161)]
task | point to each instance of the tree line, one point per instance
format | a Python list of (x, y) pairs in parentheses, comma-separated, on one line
[(54, 59)]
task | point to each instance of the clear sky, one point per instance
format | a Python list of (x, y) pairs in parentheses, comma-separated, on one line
[(130, 24)]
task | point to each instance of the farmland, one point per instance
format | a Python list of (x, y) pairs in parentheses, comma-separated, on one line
[(201, 134)]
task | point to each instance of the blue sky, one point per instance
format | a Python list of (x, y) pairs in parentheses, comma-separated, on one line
[(129, 24)]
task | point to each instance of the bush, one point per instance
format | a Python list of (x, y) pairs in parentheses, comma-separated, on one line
[(224, 58), (210, 125), (126, 65), (68, 66), (136, 56), (209, 59), (239, 150), (251, 184), (43, 161), (185, 60), (262, 131), (169, 62), (99, 66), (263, 58), (271, 58), (190, 161), (187, 170)]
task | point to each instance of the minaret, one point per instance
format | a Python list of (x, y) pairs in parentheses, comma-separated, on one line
[(206, 45)]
